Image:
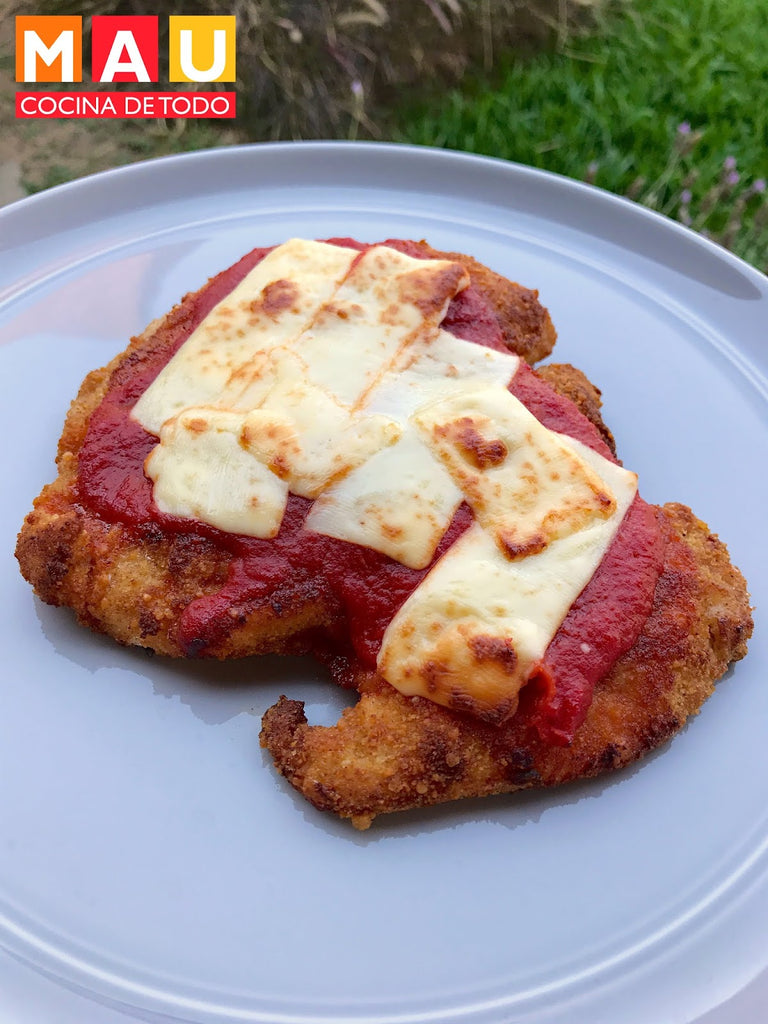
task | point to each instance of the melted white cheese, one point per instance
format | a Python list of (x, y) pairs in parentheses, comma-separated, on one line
[(216, 363), (306, 435), (387, 305), (201, 470), (526, 486), (296, 348), (401, 501), (469, 635)]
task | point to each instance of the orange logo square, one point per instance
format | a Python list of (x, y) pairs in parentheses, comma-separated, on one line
[(49, 48)]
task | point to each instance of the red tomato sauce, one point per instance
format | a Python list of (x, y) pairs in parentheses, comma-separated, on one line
[(364, 588)]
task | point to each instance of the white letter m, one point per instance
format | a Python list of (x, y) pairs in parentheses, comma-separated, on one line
[(63, 46)]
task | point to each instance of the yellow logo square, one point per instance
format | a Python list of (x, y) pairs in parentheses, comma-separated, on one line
[(201, 48)]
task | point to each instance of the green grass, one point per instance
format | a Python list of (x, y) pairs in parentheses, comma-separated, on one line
[(606, 108)]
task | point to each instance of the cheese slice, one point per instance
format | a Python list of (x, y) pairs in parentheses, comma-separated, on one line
[(469, 635), (525, 484), (201, 470), (270, 307), (401, 501), (437, 368), (306, 435), (448, 356), (310, 423), (386, 306)]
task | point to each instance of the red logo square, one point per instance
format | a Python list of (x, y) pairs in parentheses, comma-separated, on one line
[(124, 48)]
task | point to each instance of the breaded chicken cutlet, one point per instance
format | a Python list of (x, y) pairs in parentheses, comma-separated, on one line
[(235, 483)]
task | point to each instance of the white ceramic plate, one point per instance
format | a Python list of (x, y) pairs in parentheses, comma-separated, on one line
[(152, 865)]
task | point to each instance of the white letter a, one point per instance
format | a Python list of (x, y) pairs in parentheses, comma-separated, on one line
[(124, 41)]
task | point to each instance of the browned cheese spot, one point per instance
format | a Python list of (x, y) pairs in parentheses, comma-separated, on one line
[(390, 315), (464, 702), (605, 501), (494, 648), (432, 672), (275, 297), (479, 451), (196, 425), (280, 467), (248, 374), (514, 548), (529, 475), (427, 290)]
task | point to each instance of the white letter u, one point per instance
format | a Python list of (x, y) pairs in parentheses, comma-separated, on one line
[(219, 56)]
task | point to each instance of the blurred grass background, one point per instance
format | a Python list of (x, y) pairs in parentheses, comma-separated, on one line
[(664, 101)]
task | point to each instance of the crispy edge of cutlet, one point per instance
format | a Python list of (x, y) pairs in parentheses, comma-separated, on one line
[(392, 753), (572, 383), (526, 325)]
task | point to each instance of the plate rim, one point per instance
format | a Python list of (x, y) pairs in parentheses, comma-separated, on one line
[(329, 147), (37, 203)]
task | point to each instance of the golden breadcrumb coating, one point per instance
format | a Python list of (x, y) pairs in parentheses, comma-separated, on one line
[(525, 323), (390, 752), (573, 384)]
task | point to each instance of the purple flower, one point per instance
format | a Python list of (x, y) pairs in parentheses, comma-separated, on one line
[(685, 196), (733, 177), (684, 128), (758, 186), (730, 163), (357, 88)]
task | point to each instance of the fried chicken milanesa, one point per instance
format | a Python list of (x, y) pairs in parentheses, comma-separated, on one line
[(97, 542)]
